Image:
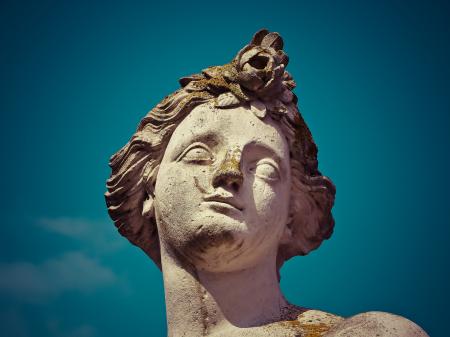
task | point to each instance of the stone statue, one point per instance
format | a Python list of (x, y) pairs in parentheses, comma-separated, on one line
[(219, 186)]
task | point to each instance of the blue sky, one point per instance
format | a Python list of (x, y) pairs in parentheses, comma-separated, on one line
[(373, 85)]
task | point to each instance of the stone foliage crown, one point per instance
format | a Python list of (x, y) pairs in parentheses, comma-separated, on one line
[(256, 73)]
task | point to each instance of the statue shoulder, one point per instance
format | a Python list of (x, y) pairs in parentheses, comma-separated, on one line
[(376, 323), (310, 322), (319, 317)]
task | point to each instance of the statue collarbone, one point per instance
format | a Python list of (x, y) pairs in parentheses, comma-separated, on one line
[(302, 322), (220, 186), (316, 323)]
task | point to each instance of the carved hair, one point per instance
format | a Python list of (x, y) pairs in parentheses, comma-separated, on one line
[(255, 79)]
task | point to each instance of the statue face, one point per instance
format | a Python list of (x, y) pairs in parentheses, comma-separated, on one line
[(222, 190)]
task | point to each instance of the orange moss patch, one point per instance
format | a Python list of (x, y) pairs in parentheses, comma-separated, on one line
[(307, 329)]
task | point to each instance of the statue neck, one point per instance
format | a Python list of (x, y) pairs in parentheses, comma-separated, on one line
[(201, 303)]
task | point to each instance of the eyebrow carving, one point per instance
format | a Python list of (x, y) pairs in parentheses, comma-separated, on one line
[(194, 146), (209, 139), (264, 148)]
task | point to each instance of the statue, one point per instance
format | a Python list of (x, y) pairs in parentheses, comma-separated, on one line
[(219, 186)]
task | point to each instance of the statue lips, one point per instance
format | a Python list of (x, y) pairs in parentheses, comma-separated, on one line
[(222, 202)]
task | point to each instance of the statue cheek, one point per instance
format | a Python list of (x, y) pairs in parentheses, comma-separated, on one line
[(180, 187), (265, 196), (270, 202), (201, 178)]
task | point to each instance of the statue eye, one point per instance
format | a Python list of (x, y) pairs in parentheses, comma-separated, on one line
[(197, 154), (266, 170)]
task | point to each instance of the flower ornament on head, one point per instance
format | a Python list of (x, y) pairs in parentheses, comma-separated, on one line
[(256, 76)]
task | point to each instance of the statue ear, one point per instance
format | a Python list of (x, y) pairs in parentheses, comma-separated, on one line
[(147, 207), (286, 236)]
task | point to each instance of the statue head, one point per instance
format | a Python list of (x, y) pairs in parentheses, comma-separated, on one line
[(225, 168)]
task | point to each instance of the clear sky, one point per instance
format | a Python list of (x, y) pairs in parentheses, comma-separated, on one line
[(76, 77)]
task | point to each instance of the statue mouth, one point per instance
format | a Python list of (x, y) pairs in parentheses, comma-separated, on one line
[(220, 202)]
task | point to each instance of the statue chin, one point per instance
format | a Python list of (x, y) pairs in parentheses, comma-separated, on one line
[(213, 250), (214, 247)]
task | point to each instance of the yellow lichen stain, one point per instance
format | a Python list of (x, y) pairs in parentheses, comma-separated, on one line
[(307, 329), (315, 330), (231, 162)]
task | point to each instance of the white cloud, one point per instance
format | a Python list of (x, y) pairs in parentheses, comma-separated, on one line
[(72, 271), (55, 328), (101, 235), (71, 227)]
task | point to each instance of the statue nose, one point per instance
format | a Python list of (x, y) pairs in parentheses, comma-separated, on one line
[(229, 173)]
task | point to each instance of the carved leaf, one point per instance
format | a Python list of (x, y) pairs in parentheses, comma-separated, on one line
[(273, 40), (258, 108), (213, 72), (259, 35), (287, 96), (227, 100), (184, 81), (250, 80)]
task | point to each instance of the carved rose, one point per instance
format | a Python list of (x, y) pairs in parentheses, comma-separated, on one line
[(256, 73), (261, 65)]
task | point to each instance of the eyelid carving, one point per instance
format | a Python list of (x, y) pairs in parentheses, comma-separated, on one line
[(199, 159), (265, 173)]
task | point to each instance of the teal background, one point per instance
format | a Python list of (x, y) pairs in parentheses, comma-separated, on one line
[(77, 76)]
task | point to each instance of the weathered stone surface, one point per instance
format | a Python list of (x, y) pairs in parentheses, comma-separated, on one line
[(375, 323), (219, 186)]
